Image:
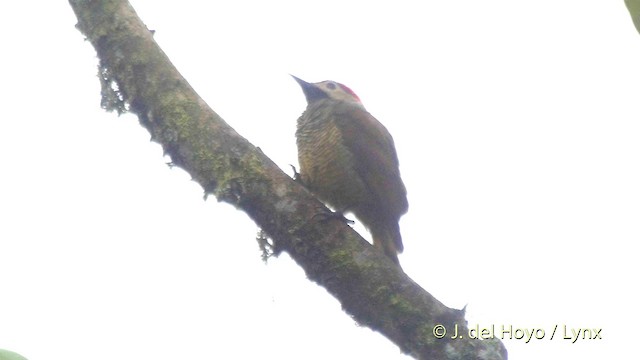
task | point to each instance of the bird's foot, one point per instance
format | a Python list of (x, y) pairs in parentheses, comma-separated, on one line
[(296, 175), (326, 215)]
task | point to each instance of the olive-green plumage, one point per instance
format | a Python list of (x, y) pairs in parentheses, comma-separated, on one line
[(348, 159)]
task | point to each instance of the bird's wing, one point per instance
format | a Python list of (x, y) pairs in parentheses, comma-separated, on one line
[(375, 155)]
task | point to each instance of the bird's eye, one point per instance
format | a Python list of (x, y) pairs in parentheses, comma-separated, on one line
[(331, 86)]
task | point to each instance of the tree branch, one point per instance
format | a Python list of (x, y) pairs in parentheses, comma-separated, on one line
[(138, 77)]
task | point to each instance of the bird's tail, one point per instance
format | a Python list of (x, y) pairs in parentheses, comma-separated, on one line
[(387, 238)]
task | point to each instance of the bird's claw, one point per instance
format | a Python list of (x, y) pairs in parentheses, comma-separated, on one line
[(296, 175)]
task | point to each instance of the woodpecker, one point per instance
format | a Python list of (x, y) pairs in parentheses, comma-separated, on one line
[(348, 160)]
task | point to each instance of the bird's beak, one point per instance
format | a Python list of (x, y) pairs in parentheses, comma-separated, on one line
[(300, 81), (305, 85), (311, 91)]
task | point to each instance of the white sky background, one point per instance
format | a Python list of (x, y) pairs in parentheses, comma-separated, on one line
[(516, 124)]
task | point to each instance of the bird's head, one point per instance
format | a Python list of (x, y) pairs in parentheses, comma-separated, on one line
[(327, 90)]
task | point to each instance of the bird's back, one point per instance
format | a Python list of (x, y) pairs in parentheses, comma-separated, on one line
[(348, 159)]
